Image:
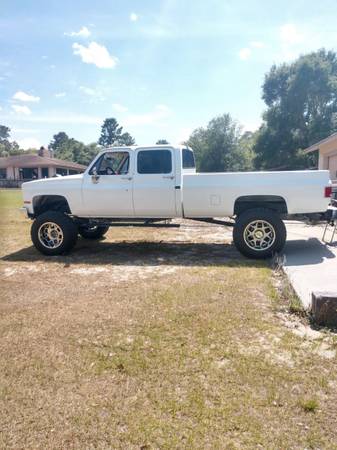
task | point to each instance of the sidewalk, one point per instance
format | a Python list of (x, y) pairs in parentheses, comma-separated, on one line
[(310, 264)]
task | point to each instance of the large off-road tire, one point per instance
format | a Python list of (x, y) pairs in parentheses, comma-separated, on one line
[(54, 233), (95, 232), (259, 233)]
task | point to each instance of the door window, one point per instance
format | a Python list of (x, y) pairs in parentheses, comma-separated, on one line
[(112, 163), (154, 161)]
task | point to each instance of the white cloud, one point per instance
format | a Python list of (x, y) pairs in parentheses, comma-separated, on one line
[(96, 95), (133, 17), (83, 32), (22, 109), (95, 54), (60, 94), (0, 108), (257, 44), (23, 97), (157, 115), (119, 108), (63, 119), (88, 91), (290, 34), (245, 53), (29, 142)]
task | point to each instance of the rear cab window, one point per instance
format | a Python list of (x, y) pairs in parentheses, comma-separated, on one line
[(188, 159), (154, 161)]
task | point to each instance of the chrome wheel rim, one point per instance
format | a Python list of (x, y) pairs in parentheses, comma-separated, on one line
[(259, 235), (50, 235)]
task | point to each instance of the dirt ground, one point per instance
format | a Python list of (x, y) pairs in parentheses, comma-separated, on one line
[(155, 339)]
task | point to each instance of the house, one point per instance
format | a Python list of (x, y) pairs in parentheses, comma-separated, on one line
[(327, 155), (14, 170)]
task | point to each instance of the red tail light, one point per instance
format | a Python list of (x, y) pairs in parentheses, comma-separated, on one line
[(327, 191)]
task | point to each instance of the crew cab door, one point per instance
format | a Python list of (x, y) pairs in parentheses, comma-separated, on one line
[(154, 183), (107, 187)]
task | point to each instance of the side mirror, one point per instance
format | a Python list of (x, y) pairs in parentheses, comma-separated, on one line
[(94, 176)]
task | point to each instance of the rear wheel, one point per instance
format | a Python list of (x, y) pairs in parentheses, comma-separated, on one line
[(53, 233), (259, 233), (93, 232)]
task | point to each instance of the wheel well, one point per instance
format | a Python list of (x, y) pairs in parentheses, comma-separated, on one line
[(43, 203), (272, 202)]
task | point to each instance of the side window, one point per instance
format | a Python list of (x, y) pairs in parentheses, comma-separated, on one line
[(188, 159), (112, 163), (154, 161)]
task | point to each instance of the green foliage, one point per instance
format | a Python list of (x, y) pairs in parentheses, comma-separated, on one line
[(111, 134), (4, 132), (8, 148), (221, 146), (302, 109), (309, 405), (126, 139), (162, 142), (72, 150)]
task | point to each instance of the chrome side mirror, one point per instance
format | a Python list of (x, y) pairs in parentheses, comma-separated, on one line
[(94, 176)]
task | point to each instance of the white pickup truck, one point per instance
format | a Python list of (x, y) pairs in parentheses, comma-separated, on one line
[(148, 185)]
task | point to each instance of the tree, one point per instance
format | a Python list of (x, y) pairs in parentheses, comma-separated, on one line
[(7, 147), (4, 132), (126, 139), (59, 141), (302, 109), (61, 146), (217, 147), (162, 142), (111, 134), (70, 149)]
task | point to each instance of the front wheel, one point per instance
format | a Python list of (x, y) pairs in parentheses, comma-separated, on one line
[(93, 232), (53, 233), (259, 233)]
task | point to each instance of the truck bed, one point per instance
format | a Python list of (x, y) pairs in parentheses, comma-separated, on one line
[(214, 194)]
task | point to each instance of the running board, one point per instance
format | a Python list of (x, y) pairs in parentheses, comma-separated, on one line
[(137, 224)]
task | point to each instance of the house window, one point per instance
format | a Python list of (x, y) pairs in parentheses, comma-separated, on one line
[(73, 172), (62, 172), (3, 174), (45, 172), (27, 173)]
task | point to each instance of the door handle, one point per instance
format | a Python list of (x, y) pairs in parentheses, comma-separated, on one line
[(126, 178), (169, 177)]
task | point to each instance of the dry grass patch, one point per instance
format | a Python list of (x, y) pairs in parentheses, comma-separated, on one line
[(133, 343)]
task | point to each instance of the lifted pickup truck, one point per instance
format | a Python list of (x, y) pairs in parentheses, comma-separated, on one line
[(148, 185)]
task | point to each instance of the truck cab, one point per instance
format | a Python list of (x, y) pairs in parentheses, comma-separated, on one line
[(137, 181)]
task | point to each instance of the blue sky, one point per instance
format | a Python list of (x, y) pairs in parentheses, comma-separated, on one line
[(162, 68)]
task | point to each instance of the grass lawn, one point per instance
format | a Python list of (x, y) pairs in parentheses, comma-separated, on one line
[(155, 339)]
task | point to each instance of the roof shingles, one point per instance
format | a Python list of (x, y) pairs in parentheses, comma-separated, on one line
[(34, 161)]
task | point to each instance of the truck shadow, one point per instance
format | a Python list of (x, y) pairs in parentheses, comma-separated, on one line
[(141, 253), (301, 252)]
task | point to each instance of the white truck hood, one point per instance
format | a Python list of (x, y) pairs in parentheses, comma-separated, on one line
[(51, 181)]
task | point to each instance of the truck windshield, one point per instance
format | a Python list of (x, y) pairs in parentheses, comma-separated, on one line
[(188, 159)]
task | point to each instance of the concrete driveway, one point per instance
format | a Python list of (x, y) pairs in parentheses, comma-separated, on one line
[(310, 264)]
